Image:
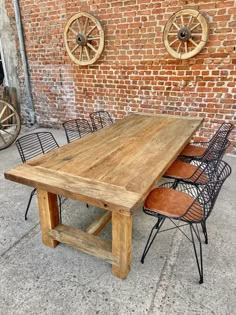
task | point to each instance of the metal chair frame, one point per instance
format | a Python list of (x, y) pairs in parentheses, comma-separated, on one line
[(221, 134), (205, 196), (76, 129), (32, 145), (100, 119), (205, 167)]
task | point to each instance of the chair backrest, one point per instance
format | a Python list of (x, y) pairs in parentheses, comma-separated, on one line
[(76, 128), (216, 149), (212, 189), (206, 195), (100, 119), (223, 132), (207, 167), (34, 144)]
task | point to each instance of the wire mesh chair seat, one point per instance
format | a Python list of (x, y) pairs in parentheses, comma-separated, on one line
[(76, 128), (197, 150), (100, 119), (198, 172), (187, 204), (31, 146)]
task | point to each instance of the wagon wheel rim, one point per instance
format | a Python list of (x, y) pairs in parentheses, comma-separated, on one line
[(10, 124), (84, 38), (185, 34)]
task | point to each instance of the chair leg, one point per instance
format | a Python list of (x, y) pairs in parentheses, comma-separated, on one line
[(199, 264), (60, 202), (29, 202), (203, 223), (175, 184), (157, 226)]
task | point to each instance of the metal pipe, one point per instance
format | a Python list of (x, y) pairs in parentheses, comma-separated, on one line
[(24, 61)]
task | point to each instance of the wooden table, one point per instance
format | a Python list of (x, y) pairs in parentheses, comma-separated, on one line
[(114, 169)]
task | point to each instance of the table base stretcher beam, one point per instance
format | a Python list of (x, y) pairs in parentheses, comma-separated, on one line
[(89, 244)]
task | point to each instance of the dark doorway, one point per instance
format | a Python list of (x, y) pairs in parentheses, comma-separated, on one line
[(1, 72)]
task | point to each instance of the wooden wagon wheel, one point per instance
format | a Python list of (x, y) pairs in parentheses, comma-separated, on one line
[(185, 34), (10, 124), (84, 38)]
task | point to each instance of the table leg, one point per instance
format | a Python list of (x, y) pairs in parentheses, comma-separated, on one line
[(121, 243), (49, 215)]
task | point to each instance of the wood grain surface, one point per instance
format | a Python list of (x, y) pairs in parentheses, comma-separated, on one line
[(115, 167)]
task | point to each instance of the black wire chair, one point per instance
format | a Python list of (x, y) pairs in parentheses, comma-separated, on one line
[(198, 172), (188, 204), (100, 119), (32, 145), (76, 128), (198, 150)]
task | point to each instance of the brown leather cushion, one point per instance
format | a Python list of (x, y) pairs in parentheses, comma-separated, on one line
[(183, 170), (173, 203), (193, 150)]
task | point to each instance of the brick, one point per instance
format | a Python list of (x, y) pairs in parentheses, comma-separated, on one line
[(134, 72)]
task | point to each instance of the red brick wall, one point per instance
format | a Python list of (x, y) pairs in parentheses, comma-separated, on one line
[(135, 72)]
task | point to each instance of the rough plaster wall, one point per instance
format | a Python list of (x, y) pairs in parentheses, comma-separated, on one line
[(9, 48)]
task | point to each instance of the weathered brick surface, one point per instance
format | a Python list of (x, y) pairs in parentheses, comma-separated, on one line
[(135, 72)]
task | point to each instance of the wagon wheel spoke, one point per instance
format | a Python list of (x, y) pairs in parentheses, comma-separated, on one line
[(186, 47), (174, 41), (81, 54), (90, 31), (87, 53), (91, 46), (8, 117), (79, 26), (85, 25), (8, 132), (9, 125), (193, 42), (190, 21), (4, 141), (176, 26), (185, 25), (82, 29), (74, 49), (3, 111), (93, 38), (180, 44), (72, 30), (171, 34), (195, 26)]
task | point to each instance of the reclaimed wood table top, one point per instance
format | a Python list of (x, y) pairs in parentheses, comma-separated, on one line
[(113, 168)]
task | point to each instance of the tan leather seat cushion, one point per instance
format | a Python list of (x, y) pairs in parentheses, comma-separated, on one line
[(193, 150), (172, 203), (183, 170)]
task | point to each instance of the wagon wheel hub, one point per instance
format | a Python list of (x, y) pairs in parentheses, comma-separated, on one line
[(184, 34), (81, 39)]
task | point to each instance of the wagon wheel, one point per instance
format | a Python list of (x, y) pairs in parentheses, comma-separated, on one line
[(84, 38), (185, 34), (9, 124)]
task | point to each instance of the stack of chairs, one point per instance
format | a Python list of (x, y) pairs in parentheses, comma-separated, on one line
[(197, 177)]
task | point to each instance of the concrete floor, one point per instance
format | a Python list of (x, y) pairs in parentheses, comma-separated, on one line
[(35, 279)]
